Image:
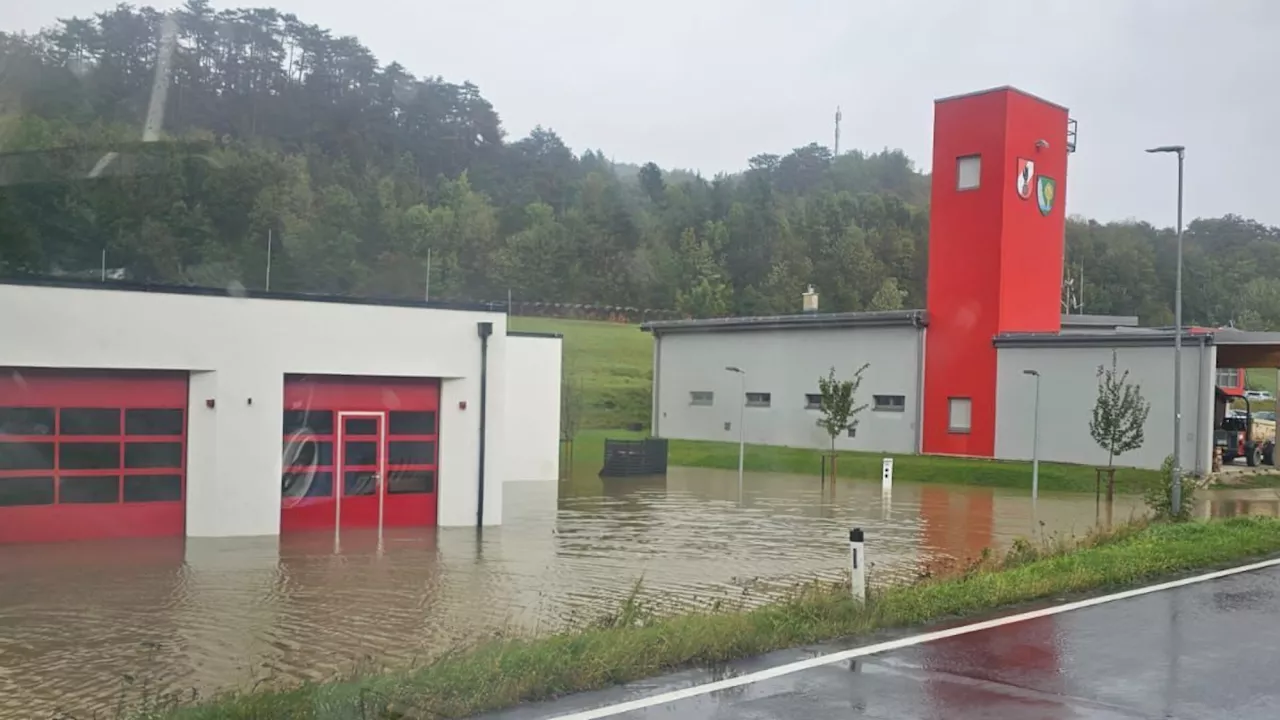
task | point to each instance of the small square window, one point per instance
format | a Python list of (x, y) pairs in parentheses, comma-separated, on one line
[(853, 431), (812, 401), (968, 172), (889, 403), (759, 399), (728, 426), (702, 397), (959, 411)]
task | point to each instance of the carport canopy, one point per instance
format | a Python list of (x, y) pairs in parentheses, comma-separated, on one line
[(1244, 349)]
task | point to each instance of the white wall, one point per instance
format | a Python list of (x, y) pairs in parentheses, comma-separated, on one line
[(532, 450), (787, 364), (239, 349), (1069, 391)]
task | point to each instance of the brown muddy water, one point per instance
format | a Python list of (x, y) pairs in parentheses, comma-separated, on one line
[(86, 626)]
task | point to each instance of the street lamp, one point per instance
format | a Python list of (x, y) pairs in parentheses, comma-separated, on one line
[(1035, 440), (1176, 495), (742, 416)]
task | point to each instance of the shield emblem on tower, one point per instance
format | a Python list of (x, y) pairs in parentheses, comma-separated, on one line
[(1026, 174), (1046, 192)]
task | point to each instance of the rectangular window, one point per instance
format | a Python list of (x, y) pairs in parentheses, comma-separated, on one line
[(759, 399), (411, 453), (403, 422), (153, 455), (89, 456), (360, 453), (411, 482), (968, 172), (812, 401), (306, 453), (959, 410), (153, 488), (889, 403), (26, 455), (26, 491), (319, 422), (152, 422), (26, 421), (702, 397), (95, 489), (89, 421), (1228, 377), (361, 426), (307, 484), (360, 482)]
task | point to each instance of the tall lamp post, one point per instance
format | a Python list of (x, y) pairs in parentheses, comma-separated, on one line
[(742, 416), (1176, 494), (1035, 439)]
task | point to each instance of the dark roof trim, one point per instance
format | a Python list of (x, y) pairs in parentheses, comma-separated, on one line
[(129, 286), (1099, 320), (809, 321), (1114, 339), (1231, 336), (528, 334), (1002, 88)]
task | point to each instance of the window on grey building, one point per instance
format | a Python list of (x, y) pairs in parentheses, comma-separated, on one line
[(759, 399), (968, 172), (959, 411), (1227, 377), (702, 397), (812, 401), (889, 403)]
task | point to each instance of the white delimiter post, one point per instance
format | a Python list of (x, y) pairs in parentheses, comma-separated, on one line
[(886, 476), (858, 566)]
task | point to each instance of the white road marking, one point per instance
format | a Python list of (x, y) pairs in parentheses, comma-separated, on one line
[(809, 664)]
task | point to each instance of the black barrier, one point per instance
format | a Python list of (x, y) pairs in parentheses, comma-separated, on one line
[(628, 458)]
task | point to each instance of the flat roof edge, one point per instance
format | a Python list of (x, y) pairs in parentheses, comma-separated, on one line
[(1001, 88), (157, 288), (1135, 339), (813, 321)]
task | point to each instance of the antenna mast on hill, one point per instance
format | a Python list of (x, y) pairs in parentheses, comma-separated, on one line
[(839, 116)]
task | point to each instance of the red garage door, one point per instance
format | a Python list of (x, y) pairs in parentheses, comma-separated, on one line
[(89, 455), (359, 452)]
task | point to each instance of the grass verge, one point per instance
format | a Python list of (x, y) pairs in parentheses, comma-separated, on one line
[(589, 448), (633, 645)]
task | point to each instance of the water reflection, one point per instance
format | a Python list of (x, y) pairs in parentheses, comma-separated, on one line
[(208, 614)]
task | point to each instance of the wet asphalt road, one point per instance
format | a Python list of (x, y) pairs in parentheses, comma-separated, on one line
[(1210, 650)]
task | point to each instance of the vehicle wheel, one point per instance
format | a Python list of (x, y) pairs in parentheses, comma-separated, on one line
[(1269, 454), (1254, 456)]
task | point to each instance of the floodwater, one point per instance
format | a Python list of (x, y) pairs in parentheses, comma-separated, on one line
[(84, 626)]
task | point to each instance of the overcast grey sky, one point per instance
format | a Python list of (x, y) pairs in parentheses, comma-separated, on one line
[(706, 84)]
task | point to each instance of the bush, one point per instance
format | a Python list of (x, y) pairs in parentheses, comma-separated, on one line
[(1157, 493)]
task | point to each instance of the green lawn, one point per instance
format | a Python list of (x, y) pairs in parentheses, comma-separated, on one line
[(609, 366), (589, 451), (633, 643)]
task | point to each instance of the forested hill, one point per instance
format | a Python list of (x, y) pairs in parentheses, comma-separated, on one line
[(356, 169)]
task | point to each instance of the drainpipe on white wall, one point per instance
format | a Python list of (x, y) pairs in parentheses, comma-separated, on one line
[(922, 330), (484, 330)]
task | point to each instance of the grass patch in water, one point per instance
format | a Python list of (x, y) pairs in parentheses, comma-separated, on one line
[(632, 644)]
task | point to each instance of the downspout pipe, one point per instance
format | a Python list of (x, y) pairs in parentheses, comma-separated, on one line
[(484, 330)]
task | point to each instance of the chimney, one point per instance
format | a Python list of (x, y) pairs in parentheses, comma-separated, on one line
[(810, 300)]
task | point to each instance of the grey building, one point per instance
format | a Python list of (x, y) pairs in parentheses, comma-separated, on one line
[(696, 398)]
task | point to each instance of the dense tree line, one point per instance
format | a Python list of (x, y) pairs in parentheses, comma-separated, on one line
[(279, 132)]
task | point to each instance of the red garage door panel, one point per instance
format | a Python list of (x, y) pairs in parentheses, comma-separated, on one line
[(86, 455), (359, 452)]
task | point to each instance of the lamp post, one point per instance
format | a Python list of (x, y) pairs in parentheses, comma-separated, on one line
[(1035, 439), (1176, 494), (742, 416)]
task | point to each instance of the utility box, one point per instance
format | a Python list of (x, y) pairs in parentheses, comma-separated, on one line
[(630, 458)]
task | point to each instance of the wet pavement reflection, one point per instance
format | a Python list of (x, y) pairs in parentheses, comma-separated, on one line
[(83, 623)]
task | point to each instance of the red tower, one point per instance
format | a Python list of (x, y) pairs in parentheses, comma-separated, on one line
[(995, 252)]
